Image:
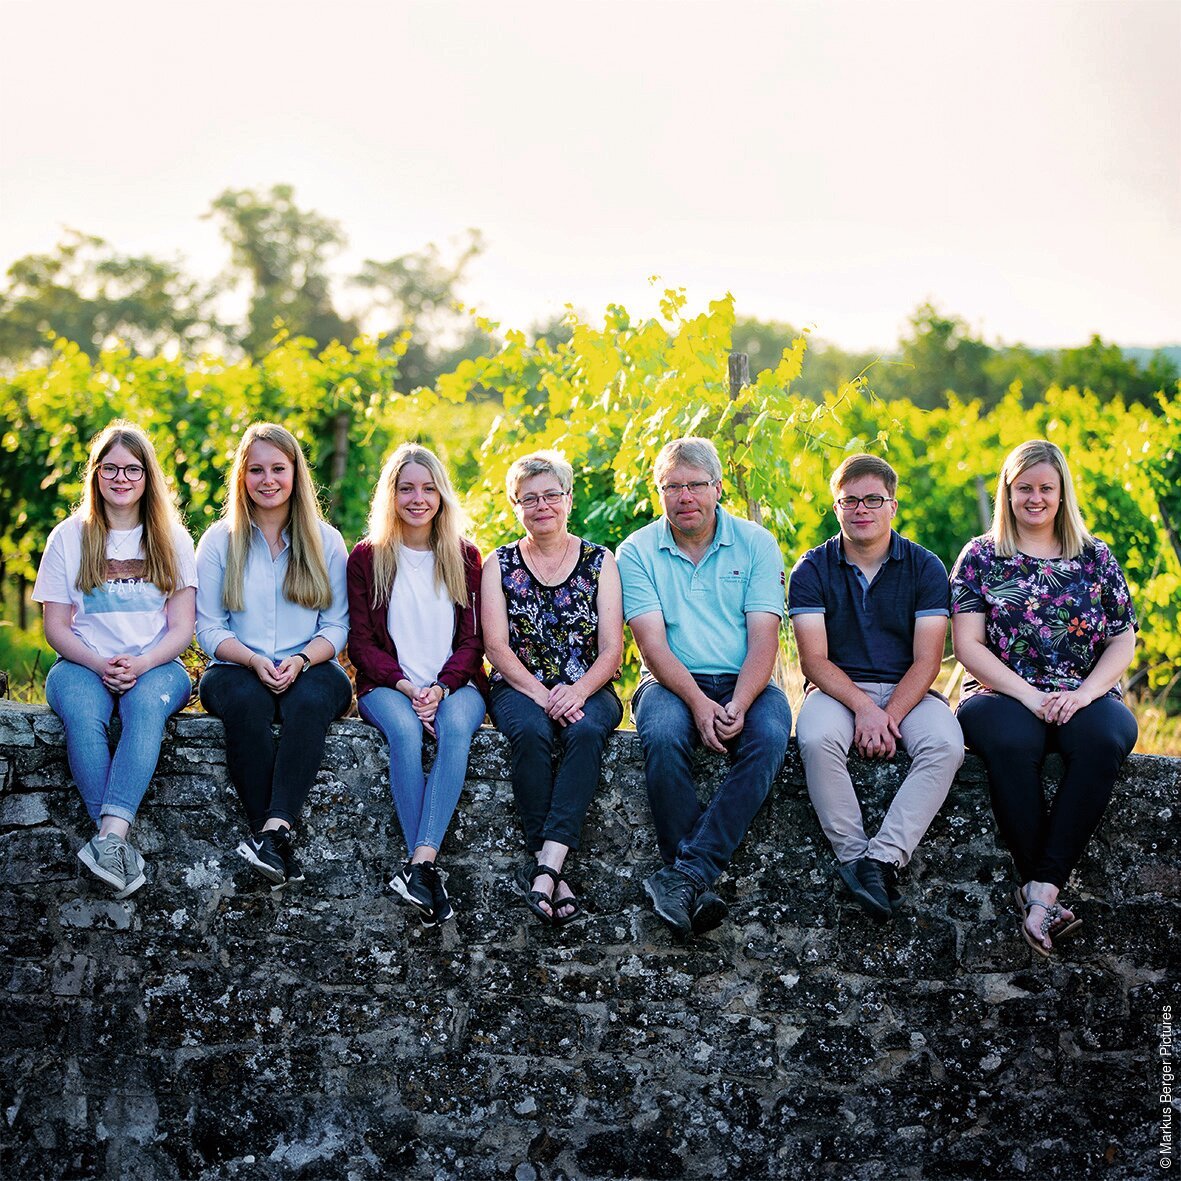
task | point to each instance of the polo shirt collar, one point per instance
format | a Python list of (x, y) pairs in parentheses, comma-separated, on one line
[(723, 532), (894, 554)]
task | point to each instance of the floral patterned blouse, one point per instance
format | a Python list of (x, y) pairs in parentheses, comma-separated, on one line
[(1048, 619), (553, 630)]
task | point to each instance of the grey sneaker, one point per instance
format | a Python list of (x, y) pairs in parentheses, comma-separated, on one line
[(116, 862)]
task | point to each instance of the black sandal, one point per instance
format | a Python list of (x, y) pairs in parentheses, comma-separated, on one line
[(534, 898), (560, 920)]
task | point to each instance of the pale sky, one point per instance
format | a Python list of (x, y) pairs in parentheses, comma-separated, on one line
[(831, 163)]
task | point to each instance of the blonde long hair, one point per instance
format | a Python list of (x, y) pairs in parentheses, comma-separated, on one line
[(306, 582), (385, 526), (1069, 529), (157, 513)]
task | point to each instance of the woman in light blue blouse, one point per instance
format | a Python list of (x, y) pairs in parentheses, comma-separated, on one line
[(272, 612)]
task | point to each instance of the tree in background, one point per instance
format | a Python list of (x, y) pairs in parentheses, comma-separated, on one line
[(86, 292), (282, 254)]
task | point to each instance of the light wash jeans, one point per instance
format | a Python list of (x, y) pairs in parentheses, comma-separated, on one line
[(114, 785), (425, 803)]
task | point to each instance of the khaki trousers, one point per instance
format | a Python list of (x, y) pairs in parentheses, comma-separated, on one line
[(932, 738)]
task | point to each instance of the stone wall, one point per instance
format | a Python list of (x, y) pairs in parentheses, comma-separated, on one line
[(209, 1028)]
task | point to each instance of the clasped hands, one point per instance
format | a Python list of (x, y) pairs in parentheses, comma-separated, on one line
[(120, 673), (424, 700), (717, 724), (1059, 707), (875, 733), (563, 703), (277, 677)]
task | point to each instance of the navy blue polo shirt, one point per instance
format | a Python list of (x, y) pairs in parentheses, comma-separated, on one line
[(870, 626)]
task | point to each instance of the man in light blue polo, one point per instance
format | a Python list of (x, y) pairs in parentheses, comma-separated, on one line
[(703, 592)]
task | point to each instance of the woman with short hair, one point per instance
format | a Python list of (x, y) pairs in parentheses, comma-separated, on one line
[(272, 612), (415, 643), (1043, 623), (553, 631), (117, 585)]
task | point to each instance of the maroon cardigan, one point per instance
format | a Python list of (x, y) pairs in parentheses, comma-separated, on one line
[(372, 650)]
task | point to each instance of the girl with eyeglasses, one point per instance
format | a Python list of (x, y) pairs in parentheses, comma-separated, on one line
[(553, 630), (117, 586), (415, 643), (272, 612)]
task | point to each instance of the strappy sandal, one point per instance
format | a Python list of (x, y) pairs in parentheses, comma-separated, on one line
[(561, 920), (1063, 927), (1053, 914), (534, 898)]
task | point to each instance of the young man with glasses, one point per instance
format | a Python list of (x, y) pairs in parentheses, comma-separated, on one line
[(703, 593), (869, 609)]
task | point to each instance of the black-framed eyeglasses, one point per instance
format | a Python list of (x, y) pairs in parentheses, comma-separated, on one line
[(530, 500), (130, 471), (693, 487), (846, 503)]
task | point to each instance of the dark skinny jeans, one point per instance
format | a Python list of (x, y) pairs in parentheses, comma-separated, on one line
[(273, 779), (552, 806), (1047, 843)]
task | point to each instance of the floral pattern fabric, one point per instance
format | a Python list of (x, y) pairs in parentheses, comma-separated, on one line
[(554, 630), (1048, 619)]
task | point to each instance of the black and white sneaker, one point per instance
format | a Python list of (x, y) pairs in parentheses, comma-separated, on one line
[(262, 851), (441, 903), (413, 885), (292, 870)]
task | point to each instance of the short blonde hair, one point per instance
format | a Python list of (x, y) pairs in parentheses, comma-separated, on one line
[(1072, 534), (538, 463), (692, 451)]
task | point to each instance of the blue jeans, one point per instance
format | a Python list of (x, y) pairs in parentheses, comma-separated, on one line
[(425, 803), (114, 786), (700, 841), (553, 806)]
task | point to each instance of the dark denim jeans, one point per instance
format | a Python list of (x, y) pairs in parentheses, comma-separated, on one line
[(1047, 842), (273, 780), (552, 806), (700, 841)]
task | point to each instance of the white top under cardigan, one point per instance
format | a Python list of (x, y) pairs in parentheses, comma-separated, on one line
[(270, 624), (421, 618)]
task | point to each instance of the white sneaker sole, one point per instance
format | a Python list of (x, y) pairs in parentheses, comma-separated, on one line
[(269, 872), (111, 879)]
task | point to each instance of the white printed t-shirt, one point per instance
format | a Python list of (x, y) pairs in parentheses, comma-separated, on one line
[(124, 616)]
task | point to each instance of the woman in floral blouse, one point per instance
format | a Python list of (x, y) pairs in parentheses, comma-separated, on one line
[(553, 632), (1044, 626)]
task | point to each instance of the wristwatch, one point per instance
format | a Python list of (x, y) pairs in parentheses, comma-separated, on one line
[(446, 691), (307, 660)]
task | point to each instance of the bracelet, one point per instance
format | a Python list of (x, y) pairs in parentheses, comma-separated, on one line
[(307, 660)]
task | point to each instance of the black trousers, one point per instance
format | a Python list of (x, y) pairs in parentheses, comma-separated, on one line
[(273, 779), (1047, 843)]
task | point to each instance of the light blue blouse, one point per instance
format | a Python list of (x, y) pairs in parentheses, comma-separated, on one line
[(270, 624)]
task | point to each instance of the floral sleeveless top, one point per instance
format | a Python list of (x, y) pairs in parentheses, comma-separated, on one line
[(1048, 619), (553, 630)]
